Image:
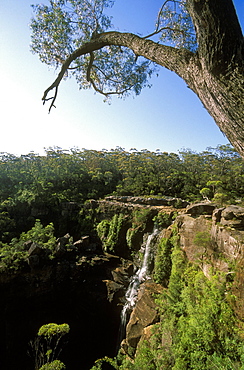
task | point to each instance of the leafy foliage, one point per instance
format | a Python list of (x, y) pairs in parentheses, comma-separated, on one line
[(14, 255), (109, 232), (54, 365), (106, 360), (60, 28), (47, 346), (163, 262), (53, 330), (175, 25), (163, 219), (140, 219)]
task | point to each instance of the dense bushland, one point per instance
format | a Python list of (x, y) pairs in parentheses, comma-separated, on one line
[(34, 186), (77, 175)]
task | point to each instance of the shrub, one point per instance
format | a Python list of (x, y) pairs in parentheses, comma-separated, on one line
[(163, 219), (109, 232), (105, 360), (14, 255), (49, 331), (54, 365), (103, 229), (163, 262), (140, 218), (47, 346), (202, 239)]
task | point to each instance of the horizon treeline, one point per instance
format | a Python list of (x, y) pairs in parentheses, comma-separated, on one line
[(77, 175)]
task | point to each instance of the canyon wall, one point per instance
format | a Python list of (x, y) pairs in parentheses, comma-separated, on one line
[(85, 286)]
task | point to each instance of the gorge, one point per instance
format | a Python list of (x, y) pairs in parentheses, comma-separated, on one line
[(89, 283)]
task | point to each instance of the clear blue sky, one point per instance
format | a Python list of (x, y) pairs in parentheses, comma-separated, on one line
[(168, 116)]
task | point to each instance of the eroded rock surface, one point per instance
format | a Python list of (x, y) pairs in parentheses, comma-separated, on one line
[(143, 315), (211, 237)]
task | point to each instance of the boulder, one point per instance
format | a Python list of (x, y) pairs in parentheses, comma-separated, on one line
[(33, 261), (27, 245), (121, 276), (113, 289), (62, 241), (84, 246), (198, 209), (216, 217), (144, 314), (35, 249), (233, 216), (35, 252), (61, 245)]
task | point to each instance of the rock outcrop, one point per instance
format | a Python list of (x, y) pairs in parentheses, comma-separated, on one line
[(143, 316), (216, 236), (112, 205), (211, 237), (149, 201)]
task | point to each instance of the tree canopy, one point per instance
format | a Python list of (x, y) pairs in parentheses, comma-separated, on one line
[(79, 174), (200, 41)]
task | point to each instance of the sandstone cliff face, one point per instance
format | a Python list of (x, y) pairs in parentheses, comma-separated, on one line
[(125, 204), (144, 315), (86, 289), (211, 237), (223, 226), (223, 249)]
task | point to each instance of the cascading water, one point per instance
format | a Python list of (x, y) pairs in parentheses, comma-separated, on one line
[(141, 275)]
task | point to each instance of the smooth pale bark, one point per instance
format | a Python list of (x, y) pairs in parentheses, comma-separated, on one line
[(215, 72)]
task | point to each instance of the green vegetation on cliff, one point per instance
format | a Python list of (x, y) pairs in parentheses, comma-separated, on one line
[(110, 233), (198, 328), (47, 345), (14, 255)]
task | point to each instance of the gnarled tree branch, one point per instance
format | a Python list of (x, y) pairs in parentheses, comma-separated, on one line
[(173, 59)]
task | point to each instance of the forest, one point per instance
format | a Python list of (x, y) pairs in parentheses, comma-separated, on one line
[(35, 182), (43, 197)]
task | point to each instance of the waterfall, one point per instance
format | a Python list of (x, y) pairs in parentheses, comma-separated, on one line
[(141, 275)]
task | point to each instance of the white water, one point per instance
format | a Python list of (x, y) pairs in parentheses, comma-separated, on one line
[(141, 275)]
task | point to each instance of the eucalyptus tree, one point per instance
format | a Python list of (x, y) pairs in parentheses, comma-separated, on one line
[(199, 40)]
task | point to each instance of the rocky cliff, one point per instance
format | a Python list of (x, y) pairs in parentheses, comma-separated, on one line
[(211, 238), (85, 285)]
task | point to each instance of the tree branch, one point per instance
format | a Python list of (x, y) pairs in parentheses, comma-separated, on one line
[(84, 49), (158, 18), (162, 29), (171, 58)]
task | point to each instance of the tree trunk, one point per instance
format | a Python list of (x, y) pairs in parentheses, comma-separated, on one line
[(218, 77), (223, 99)]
